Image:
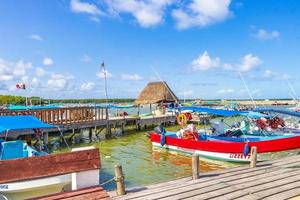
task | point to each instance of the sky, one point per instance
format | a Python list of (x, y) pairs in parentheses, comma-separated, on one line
[(228, 49)]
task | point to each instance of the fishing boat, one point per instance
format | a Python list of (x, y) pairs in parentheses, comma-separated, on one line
[(19, 149), (233, 148)]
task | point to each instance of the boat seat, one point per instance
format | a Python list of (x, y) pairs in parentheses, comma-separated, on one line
[(218, 128), (12, 150)]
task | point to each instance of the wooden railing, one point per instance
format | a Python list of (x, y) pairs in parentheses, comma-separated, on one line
[(63, 115)]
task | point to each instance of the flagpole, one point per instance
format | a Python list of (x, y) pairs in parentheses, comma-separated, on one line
[(105, 80)]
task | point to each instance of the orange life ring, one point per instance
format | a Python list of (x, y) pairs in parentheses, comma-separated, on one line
[(182, 119)]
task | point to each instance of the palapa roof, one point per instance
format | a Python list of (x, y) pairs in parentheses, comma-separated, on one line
[(156, 92)]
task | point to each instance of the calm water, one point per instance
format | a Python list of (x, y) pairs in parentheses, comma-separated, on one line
[(141, 164)]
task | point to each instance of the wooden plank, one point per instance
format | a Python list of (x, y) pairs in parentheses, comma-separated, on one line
[(95, 192), (249, 186), (287, 193), (49, 165), (211, 178), (243, 172)]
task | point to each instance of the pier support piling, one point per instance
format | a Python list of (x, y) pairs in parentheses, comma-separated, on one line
[(119, 178), (253, 157), (195, 166), (46, 138)]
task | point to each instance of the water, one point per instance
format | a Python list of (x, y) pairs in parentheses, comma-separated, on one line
[(141, 164)]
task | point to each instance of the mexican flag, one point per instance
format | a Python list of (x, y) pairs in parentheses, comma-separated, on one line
[(21, 86)]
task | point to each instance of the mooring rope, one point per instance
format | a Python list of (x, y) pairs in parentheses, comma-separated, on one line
[(115, 179)]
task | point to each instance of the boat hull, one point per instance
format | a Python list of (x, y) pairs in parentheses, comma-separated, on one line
[(225, 150), (229, 157), (36, 187)]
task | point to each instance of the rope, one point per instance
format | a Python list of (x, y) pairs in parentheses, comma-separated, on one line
[(61, 134), (116, 179), (110, 180)]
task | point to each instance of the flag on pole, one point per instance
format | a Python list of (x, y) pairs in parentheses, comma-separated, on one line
[(21, 86), (103, 67)]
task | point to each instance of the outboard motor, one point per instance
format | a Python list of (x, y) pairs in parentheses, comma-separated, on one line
[(159, 129)]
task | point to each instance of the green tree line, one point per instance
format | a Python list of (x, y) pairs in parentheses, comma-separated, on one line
[(20, 100)]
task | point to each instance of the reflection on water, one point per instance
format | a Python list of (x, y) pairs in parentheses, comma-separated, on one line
[(141, 164), (144, 165)]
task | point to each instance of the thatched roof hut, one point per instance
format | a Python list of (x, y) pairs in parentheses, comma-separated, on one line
[(156, 92)]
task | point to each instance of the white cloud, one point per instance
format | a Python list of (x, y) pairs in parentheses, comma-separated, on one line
[(249, 62), (268, 74), (205, 62), (10, 71), (35, 83), (271, 75), (101, 74), (59, 82), (147, 13), (48, 61), (186, 93), (200, 13), (224, 91), (78, 6), (87, 86), (40, 71), (262, 34), (133, 77), (36, 37), (21, 68), (85, 58), (95, 19)]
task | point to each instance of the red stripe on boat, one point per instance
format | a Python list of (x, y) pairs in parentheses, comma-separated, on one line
[(231, 147)]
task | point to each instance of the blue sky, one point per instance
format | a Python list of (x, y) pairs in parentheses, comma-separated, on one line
[(202, 48)]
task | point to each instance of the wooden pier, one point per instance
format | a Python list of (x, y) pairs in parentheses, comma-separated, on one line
[(278, 179), (74, 118)]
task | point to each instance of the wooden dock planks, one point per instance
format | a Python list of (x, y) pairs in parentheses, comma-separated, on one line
[(278, 179), (91, 193)]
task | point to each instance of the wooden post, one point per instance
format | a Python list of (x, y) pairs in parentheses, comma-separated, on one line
[(108, 127), (119, 177), (123, 127), (253, 157), (46, 138), (195, 166), (90, 134)]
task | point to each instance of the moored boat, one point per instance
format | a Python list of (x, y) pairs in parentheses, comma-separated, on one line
[(231, 144), (233, 151), (19, 149)]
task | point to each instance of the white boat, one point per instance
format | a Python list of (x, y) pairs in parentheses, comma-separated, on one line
[(18, 149)]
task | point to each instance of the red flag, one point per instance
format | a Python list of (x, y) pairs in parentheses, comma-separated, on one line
[(21, 86)]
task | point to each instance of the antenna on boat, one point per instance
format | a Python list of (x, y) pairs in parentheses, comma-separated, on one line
[(157, 75), (293, 94), (248, 91)]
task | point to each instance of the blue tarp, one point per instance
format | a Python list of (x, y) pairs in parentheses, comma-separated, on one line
[(20, 107), (21, 122), (221, 112), (281, 111), (255, 115), (112, 106)]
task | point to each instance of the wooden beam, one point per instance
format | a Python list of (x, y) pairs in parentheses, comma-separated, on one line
[(49, 165), (95, 192)]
